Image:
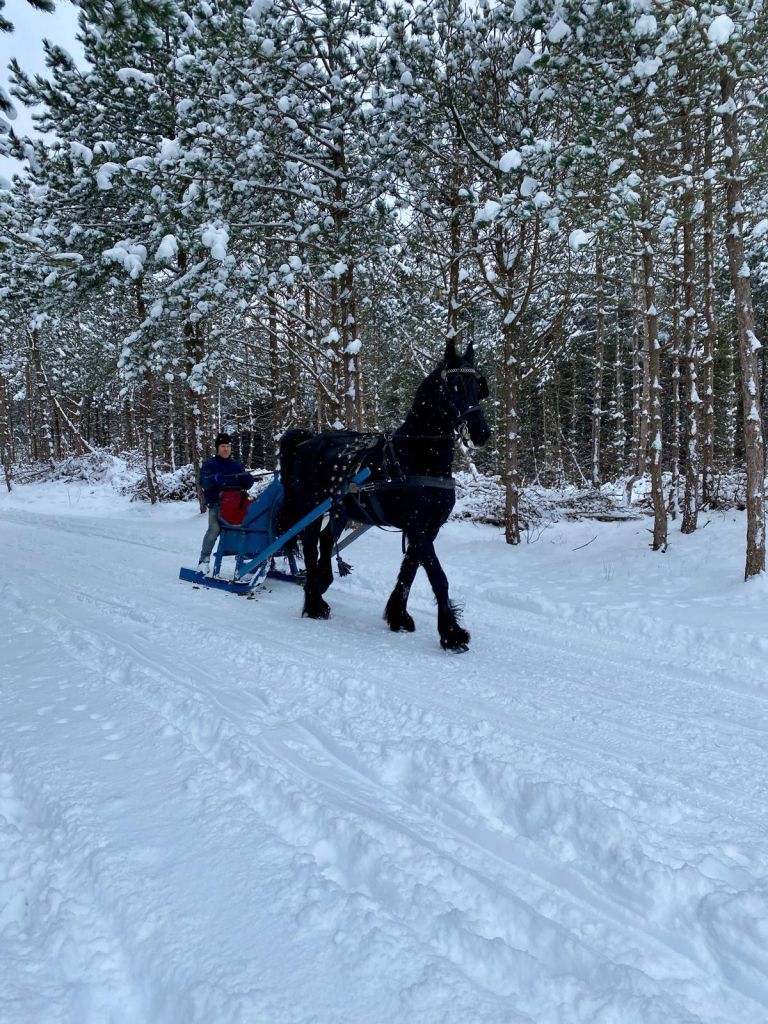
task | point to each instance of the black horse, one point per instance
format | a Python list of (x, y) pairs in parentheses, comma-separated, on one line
[(410, 488)]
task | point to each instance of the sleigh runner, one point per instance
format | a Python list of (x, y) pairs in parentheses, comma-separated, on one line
[(249, 533)]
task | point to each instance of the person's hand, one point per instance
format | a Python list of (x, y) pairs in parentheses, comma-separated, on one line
[(245, 480)]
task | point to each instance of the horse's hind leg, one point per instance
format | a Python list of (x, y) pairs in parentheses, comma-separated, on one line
[(314, 605), (396, 612), (453, 636)]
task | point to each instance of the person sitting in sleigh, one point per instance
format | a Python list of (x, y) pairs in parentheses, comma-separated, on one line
[(219, 473)]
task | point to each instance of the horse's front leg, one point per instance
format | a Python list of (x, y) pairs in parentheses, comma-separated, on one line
[(453, 636), (314, 605), (396, 612), (325, 564)]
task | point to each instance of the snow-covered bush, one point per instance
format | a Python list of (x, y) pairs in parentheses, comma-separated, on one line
[(178, 485), (482, 501)]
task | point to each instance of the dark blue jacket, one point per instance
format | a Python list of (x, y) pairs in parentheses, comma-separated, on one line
[(229, 469)]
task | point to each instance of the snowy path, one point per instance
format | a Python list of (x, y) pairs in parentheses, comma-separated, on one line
[(331, 823)]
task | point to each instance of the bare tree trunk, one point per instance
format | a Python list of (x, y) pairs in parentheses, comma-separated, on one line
[(170, 428), (731, 402), (43, 400), (638, 372), (673, 504), (654, 373), (641, 387), (558, 430), (147, 405), (32, 439), (128, 415), (278, 412), (619, 443), (710, 328), (573, 425), (692, 401), (350, 351), (357, 369), (334, 402), (196, 422), (512, 438), (6, 446), (150, 460), (597, 398), (749, 346), (196, 407)]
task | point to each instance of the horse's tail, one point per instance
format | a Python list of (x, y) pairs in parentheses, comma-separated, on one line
[(289, 442)]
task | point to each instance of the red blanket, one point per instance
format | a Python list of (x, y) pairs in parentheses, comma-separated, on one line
[(233, 506)]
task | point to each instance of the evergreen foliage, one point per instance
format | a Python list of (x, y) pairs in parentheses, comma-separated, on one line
[(256, 215)]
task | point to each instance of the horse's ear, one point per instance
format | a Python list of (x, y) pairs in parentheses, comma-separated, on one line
[(469, 355), (451, 355)]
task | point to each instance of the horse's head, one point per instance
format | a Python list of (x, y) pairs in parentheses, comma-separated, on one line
[(463, 387)]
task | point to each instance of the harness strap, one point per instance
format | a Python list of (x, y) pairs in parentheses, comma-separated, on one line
[(410, 481), (390, 457), (374, 513)]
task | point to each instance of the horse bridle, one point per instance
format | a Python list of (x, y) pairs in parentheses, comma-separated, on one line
[(482, 393)]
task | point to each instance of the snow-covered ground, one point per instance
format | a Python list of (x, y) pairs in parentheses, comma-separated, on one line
[(215, 812)]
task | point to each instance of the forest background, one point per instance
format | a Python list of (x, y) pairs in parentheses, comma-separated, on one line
[(256, 215)]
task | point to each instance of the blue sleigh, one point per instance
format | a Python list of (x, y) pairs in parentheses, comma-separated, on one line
[(255, 545)]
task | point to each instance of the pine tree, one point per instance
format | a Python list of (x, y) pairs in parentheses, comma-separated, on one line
[(39, 5)]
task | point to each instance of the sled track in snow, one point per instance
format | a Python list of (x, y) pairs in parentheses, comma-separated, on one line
[(57, 939), (456, 824), (287, 762), (354, 851), (90, 528)]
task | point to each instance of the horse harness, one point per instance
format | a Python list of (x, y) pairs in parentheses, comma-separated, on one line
[(351, 458)]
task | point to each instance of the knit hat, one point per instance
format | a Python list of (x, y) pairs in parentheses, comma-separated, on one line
[(222, 439)]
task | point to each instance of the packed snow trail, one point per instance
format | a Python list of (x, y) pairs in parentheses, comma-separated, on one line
[(212, 810)]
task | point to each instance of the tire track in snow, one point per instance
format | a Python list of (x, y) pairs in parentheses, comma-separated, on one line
[(482, 929), (627, 748), (487, 705), (673, 721), (277, 803), (114, 901), (57, 943), (376, 692), (209, 738), (91, 528)]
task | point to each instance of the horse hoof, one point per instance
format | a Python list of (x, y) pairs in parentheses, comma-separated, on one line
[(319, 610), (453, 646), (402, 624), (457, 640)]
